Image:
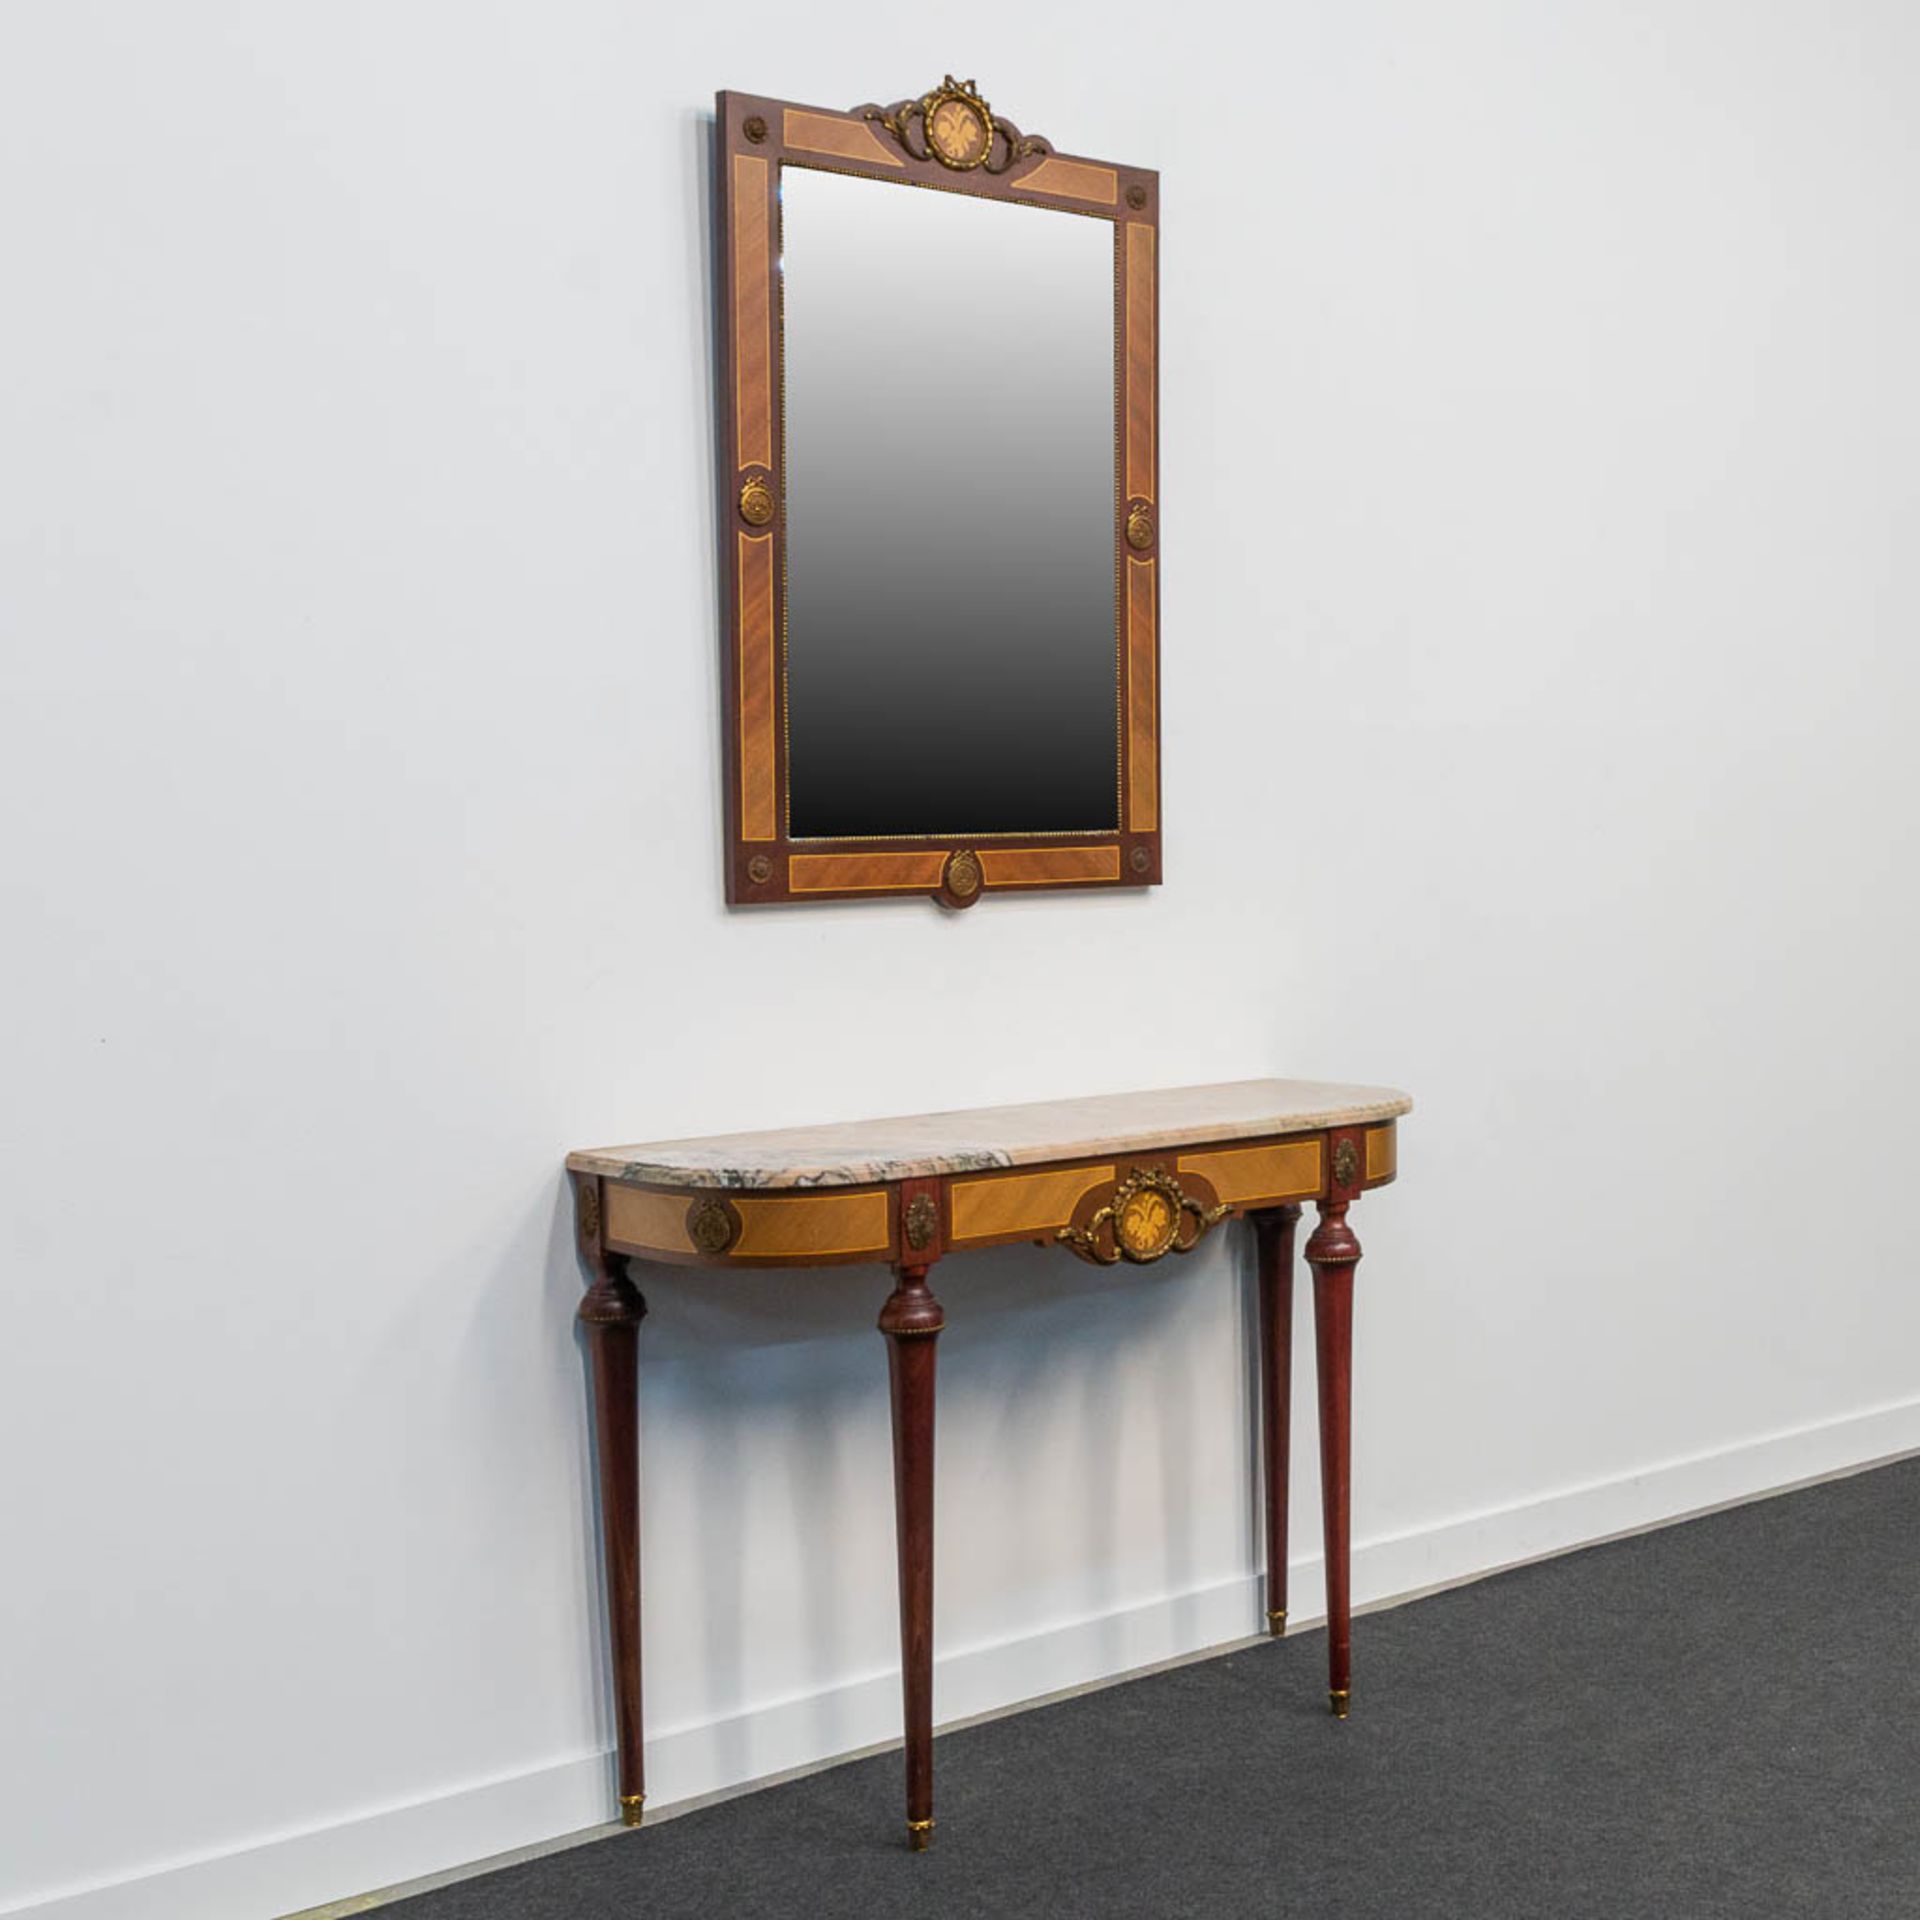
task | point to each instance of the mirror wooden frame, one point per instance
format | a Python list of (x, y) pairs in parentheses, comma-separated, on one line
[(948, 138)]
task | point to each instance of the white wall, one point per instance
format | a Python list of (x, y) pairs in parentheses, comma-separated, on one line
[(1540, 475)]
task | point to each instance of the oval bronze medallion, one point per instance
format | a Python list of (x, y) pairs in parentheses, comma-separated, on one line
[(957, 132)]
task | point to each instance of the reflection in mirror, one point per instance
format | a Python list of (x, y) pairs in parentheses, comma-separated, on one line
[(950, 499)]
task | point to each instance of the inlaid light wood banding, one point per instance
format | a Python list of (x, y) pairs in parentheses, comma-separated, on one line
[(752, 314), (1383, 1153), (1048, 866), (1140, 331), (642, 1219), (814, 1225), (1024, 1203), (1078, 178), (1143, 758), (759, 787), (1246, 1176), (845, 139), (863, 872)]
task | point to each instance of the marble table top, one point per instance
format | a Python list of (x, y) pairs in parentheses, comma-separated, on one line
[(914, 1146)]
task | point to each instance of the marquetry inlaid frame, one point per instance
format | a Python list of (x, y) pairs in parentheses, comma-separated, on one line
[(933, 140)]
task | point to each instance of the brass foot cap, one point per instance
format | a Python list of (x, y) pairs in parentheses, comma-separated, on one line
[(633, 1809), (919, 1835), (1277, 1623), (1337, 1698)]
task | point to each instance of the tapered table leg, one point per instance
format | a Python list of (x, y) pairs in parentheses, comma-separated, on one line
[(1333, 1252), (612, 1310), (1273, 1240), (911, 1320)]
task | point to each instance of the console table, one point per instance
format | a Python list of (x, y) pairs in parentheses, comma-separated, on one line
[(1123, 1177)]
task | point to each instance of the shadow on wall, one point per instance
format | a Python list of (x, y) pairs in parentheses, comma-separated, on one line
[(765, 1410)]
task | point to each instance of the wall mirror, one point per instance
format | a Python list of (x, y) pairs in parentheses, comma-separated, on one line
[(939, 509)]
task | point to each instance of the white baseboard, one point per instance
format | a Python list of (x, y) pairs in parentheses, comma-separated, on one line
[(476, 1822)]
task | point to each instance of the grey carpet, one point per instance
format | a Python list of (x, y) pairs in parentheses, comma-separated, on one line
[(1722, 1718)]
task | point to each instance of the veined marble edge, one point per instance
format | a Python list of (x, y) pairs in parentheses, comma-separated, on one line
[(612, 1165)]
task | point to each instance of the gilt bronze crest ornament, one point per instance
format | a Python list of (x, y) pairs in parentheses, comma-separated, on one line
[(954, 125), (1143, 1220)]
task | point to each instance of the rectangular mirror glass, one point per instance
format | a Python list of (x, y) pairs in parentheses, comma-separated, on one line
[(938, 505), (928, 693)]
